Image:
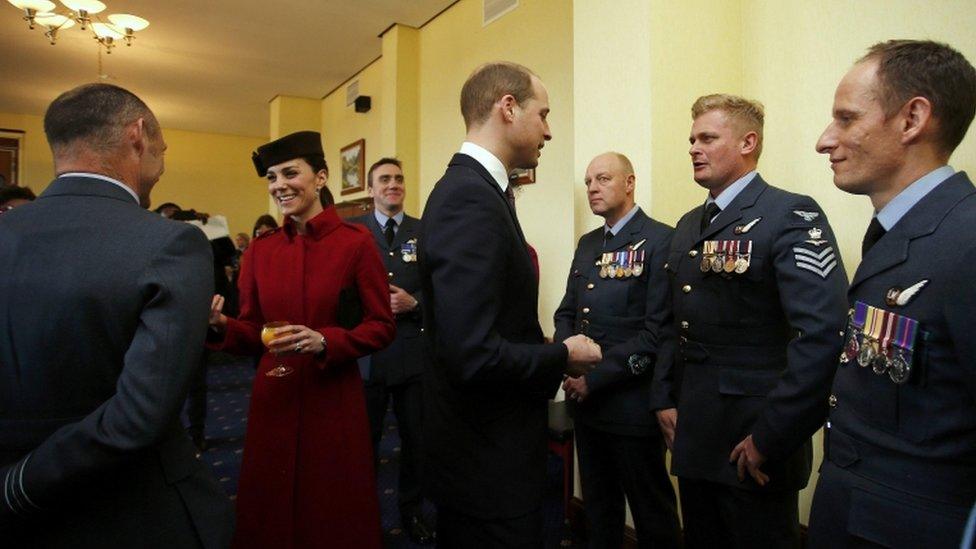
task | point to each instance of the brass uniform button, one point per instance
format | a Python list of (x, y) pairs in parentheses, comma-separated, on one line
[(832, 401), (684, 324), (686, 289), (389, 275), (590, 286), (391, 254), (586, 310), (693, 253)]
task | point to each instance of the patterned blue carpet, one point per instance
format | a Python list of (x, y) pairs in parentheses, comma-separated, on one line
[(228, 390)]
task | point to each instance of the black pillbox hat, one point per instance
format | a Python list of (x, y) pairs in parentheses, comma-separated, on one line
[(293, 145)]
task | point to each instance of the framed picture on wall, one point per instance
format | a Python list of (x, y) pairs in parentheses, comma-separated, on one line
[(353, 158), (524, 176)]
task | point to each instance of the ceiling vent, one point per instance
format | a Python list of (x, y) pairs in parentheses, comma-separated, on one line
[(352, 92), (495, 9)]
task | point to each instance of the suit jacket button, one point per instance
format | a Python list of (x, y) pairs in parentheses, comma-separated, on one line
[(684, 324), (686, 289), (692, 253), (832, 401)]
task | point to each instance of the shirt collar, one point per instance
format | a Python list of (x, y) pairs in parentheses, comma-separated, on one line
[(489, 161), (728, 195), (622, 222), (381, 218), (907, 198), (104, 178)]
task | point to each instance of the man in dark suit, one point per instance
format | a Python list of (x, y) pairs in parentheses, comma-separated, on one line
[(105, 310), (491, 375), (621, 450), (395, 372), (900, 467), (758, 297)]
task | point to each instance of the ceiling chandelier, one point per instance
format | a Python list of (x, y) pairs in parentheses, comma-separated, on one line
[(120, 26)]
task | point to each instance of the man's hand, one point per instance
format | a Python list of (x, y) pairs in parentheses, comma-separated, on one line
[(667, 420), (576, 388), (746, 456), (401, 301), (584, 353)]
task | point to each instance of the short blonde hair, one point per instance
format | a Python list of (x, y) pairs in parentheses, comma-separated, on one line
[(748, 115)]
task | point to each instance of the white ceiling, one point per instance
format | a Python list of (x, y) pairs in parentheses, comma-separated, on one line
[(208, 66)]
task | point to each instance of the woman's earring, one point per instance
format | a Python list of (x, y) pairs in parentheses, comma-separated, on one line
[(318, 190)]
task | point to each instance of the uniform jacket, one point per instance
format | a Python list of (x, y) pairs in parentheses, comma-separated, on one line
[(755, 352), (919, 436), (487, 389), (104, 309), (307, 477), (404, 359), (623, 315)]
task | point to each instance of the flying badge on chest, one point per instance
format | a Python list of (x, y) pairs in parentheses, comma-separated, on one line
[(896, 297), (742, 229), (408, 251), (881, 339)]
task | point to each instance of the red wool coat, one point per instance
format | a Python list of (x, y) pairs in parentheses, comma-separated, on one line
[(307, 474)]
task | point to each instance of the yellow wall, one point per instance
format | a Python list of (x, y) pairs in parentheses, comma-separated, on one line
[(342, 125), (204, 171), (696, 49), (537, 34)]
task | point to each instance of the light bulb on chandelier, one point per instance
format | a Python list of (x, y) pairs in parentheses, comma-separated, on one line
[(120, 26)]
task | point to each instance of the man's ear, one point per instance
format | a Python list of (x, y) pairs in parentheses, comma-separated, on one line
[(749, 143), (508, 104), (916, 119), (135, 136)]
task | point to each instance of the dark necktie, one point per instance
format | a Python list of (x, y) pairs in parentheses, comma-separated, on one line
[(389, 232), (874, 233), (510, 195), (711, 210), (607, 236)]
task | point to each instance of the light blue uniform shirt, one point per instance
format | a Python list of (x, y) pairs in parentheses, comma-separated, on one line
[(899, 205)]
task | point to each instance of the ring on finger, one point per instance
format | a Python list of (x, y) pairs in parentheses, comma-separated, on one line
[(298, 347)]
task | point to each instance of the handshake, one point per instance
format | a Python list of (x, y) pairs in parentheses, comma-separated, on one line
[(584, 353)]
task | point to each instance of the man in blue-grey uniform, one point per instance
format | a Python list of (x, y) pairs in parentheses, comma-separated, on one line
[(395, 372), (900, 467), (621, 450), (758, 298)]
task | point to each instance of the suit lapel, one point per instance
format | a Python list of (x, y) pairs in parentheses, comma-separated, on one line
[(734, 212), (469, 162), (374, 227), (923, 219)]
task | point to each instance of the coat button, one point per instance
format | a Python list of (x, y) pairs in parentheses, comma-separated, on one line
[(584, 323), (586, 310), (590, 286), (391, 254), (389, 275), (832, 401), (684, 324), (686, 289), (692, 253), (666, 265)]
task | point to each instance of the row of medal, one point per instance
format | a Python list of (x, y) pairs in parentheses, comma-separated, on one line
[(880, 339), (408, 251), (730, 256), (622, 264)]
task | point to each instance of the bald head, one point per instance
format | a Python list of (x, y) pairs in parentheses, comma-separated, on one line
[(610, 184)]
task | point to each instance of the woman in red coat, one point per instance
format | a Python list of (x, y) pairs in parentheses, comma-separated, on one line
[(307, 476)]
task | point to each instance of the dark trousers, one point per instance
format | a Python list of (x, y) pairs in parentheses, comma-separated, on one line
[(408, 407), (459, 531), (718, 515), (850, 511), (612, 466)]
